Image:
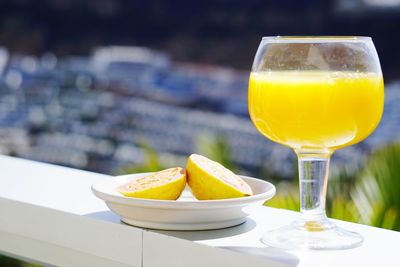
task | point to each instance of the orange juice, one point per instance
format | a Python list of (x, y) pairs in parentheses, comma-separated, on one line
[(315, 109)]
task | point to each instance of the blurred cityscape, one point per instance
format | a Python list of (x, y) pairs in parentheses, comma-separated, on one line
[(96, 112)]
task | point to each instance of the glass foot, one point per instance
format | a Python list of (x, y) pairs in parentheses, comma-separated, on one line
[(312, 235)]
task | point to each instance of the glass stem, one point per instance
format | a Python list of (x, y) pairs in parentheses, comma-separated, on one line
[(313, 179)]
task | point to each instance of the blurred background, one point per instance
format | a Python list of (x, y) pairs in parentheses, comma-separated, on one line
[(117, 86)]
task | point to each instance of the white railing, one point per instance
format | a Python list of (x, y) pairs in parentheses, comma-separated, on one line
[(49, 215)]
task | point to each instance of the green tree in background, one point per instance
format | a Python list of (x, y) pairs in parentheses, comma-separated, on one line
[(217, 149), (377, 189), (151, 163), (340, 204)]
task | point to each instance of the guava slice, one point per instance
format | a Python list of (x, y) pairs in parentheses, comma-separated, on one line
[(210, 180), (165, 185)]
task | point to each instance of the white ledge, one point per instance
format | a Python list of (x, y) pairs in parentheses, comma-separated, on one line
[(49, 215)]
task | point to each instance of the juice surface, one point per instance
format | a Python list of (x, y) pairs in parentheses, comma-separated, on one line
[(315, 109)]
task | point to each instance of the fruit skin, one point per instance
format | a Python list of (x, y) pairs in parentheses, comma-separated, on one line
[(171, 190), (207, 186)]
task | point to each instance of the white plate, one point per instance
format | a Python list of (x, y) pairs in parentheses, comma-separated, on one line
[(186, 213)]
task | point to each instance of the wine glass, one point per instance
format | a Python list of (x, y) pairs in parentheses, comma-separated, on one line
[(315, 95)]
